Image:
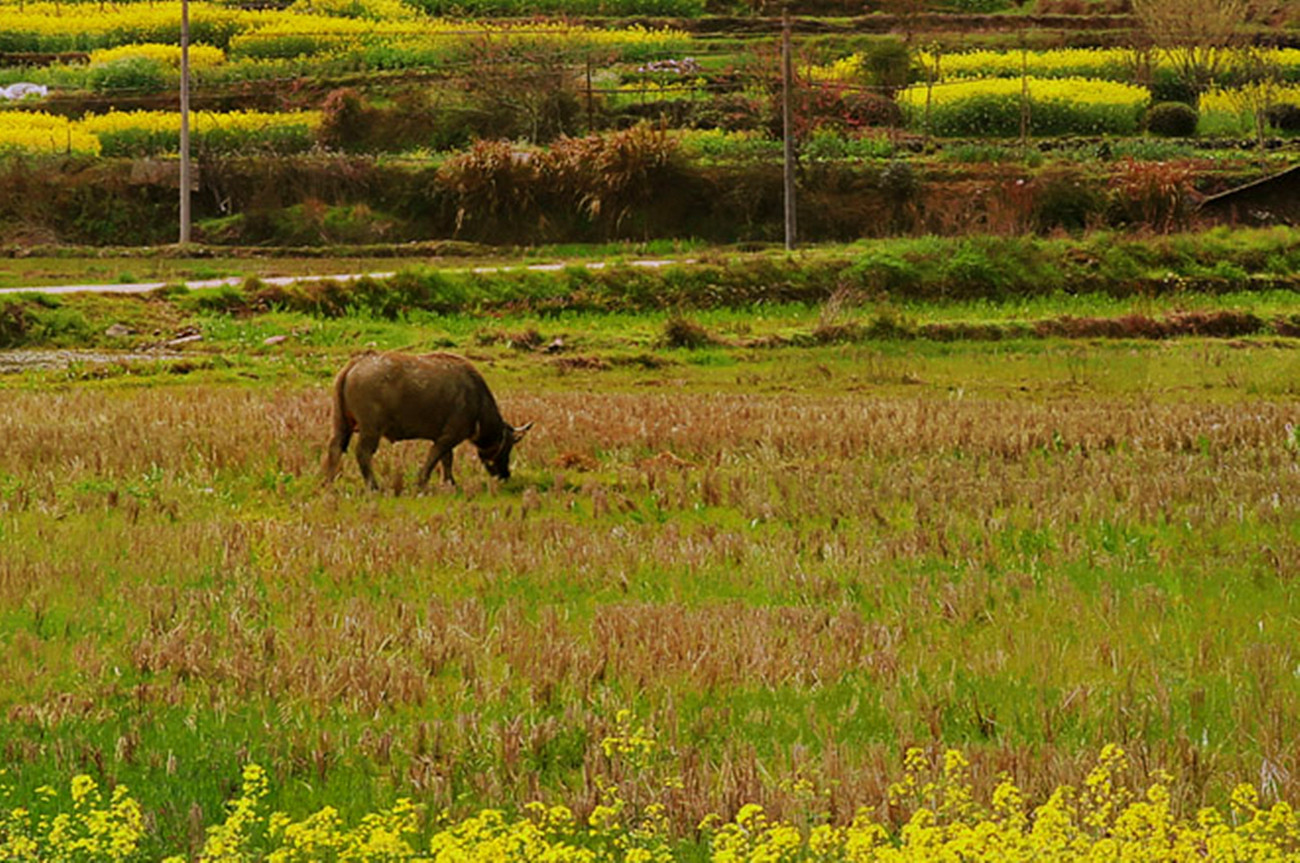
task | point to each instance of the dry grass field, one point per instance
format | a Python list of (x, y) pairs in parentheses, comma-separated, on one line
[(789, 567)]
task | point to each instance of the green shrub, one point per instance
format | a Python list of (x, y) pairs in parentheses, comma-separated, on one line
[(282, 46), (1148, 150), (1284, 117), (13, 323), (226, 299), (1066, 200), (999, 116), (731, 112), (888, 63), (883, 270), (972, 153), (830, 144), (971, 272), (42, 320), (313, 222), (271, 139), (898, 182), (136, 143), (1168, 86), (682, 332), (1172, 120), (136, 74)]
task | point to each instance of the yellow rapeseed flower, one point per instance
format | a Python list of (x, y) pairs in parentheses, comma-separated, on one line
[(37, 132), (201, 56), (1103, 821)]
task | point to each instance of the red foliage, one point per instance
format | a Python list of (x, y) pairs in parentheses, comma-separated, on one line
[(1156, 194)]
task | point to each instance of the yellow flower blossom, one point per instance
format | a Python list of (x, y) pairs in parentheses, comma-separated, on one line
[(38, 132), (1084, 91), (201, 56), (1102, 821)]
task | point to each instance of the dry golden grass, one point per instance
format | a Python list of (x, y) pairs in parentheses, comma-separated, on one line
[(782, 585)]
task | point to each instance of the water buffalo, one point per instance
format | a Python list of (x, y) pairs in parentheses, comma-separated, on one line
[(439, 397)]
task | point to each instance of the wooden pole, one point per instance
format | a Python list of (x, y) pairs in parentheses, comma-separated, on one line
[(787, 123), (185, 122)]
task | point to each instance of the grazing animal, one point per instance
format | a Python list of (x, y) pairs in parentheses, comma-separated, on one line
[(438, 397)]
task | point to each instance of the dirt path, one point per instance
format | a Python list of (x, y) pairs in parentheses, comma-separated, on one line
[(198, 284), (28, 359)]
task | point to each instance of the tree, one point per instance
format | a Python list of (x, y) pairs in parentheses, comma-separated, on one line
[(1198, 37), (1194, 35)]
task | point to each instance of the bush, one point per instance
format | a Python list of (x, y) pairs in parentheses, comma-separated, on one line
[(972, 272), (610, 177), (1066, 200), (898, 182), (493, 188), (40, 320), (138, 143), (888, 64), (883, 270), (1168, 86), (1172, 120), (604, 184), (135, 74), (869, 109), (1154, 194), (998, 115), (13, 324), (830, 144), (281, 46), (1284, 117), (993, 107), (731, 112), (346, 124), (682, 332)]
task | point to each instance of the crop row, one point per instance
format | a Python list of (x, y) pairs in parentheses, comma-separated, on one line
[(1127, 65), (1006, 106), (145, 132), (261, 34)]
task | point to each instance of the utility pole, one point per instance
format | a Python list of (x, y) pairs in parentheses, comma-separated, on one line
[(185, 122), (787, 123)]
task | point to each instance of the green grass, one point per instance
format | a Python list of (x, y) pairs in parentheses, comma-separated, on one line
[(788, 559), (240, 614)]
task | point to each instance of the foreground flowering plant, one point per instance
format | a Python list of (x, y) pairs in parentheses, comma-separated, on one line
[(1103, 820), (82, 826)]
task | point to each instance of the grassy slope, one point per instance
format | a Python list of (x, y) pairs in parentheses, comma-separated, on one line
[(788, 563)]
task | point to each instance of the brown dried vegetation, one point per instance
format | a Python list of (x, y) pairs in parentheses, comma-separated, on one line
[(782, 585)]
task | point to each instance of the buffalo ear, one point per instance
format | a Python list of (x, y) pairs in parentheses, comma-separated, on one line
[(521, 431)]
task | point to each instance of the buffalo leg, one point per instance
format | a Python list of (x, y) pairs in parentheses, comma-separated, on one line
[(366, 447), (332, 459), (439, 454)]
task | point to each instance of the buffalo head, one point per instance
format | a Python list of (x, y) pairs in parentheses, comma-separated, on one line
[(496, 457)]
